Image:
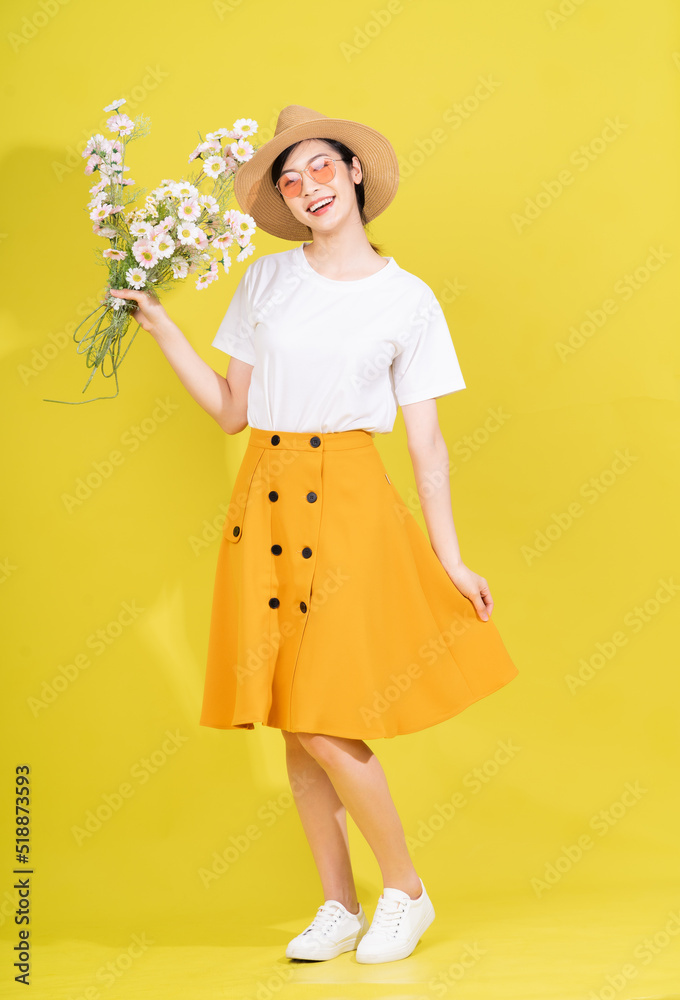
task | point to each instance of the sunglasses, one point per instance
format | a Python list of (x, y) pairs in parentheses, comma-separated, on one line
[(321, 169)]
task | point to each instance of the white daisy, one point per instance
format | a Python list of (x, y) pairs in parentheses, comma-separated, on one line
[(226, 261), (209, 202), (245, 126), (100, 212), (114, 254), (180, 268), (245, 252), (165, 225), (114, 105), (145, 252), (213, 166), (189, 209), (242, 150), (203, 280), (223, 241), (99, 186), (244, 225), (217, 134), (120, 124), (164, 245), (94, 143), (136, 276), (187, 232), (183, 189), (93, 162), (141, 229)]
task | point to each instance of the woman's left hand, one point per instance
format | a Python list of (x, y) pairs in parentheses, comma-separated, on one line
[(475, 588)]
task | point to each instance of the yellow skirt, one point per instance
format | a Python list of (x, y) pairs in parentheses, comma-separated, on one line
[(331, 611)]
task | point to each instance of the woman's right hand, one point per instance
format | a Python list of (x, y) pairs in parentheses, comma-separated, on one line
[(149, 313)]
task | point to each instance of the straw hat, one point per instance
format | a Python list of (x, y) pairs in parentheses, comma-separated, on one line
[(257, 195)]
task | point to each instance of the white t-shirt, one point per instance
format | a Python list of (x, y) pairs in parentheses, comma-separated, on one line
[(332, 355)]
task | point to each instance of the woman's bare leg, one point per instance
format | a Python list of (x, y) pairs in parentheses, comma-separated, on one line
[(324, 821), (359, 783)]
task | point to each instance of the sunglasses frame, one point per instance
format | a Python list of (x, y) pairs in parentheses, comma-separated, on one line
[(334, 159)]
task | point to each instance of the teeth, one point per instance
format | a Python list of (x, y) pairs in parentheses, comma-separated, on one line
[(320, 204)]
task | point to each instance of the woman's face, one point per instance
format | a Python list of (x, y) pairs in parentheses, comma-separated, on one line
[(340, 188)]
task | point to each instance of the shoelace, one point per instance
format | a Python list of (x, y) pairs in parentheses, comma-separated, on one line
[(387, 915), (326, 916)]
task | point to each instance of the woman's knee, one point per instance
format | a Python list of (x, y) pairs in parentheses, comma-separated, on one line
[(322, 748), (291, 738)]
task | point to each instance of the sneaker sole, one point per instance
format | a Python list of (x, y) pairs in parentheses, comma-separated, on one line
[(405, 949), (322, 955)]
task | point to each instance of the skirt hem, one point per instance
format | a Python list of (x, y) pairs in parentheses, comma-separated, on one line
[(250, 726)]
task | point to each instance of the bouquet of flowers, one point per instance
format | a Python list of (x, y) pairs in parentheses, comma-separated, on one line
[(180, 228)]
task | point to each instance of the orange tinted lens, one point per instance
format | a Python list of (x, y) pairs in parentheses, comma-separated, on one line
[(290, 185), (322, 169)]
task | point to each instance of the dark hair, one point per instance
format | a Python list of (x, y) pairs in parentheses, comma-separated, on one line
[(346, 155)]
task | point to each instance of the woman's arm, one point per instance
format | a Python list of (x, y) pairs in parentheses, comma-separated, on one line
[(225, 398), (430, 458)]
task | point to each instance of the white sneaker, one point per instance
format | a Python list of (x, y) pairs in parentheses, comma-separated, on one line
[(398, 924), (333, 931)]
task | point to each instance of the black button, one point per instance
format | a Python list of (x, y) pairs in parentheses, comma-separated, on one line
[(273, 495), (315, 441), (273, 602), (310, 496), (236, 530), (306, 552), (303, 606), (275, 438), (277, 550)]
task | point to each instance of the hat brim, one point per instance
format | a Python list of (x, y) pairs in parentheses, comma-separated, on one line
[(257, 196)]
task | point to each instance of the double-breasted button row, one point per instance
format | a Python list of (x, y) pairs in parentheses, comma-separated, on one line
[(277, 549), (274, 603), (311, 496), (315, 441), (306, 552)]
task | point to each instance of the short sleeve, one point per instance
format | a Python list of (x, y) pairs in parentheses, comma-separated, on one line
[(427, 366), (235, 333)]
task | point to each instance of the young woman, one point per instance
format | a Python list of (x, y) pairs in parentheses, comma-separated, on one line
[(334, 619)]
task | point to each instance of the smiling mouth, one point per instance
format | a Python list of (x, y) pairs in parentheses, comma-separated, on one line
[(324, 202)]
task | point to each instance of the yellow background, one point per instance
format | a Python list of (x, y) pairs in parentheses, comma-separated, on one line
[(512, 293)]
